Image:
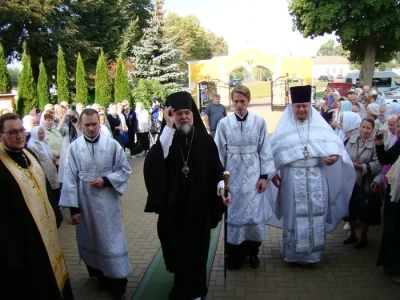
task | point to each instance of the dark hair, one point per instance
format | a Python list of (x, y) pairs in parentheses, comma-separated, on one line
[(48, 116), (7, 117), (370, 120), (89, 112)]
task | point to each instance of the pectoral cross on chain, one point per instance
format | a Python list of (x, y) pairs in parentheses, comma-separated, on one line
[(305, 153)]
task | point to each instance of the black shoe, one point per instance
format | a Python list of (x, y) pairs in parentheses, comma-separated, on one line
[(234, 266), (360, 245), (350, 240), (101, 285), (254, 261)]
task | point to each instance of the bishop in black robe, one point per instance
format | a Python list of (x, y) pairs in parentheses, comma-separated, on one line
[(188, 205), (26, 271)]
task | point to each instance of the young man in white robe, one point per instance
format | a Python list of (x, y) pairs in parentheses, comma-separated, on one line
[(316, 179), (96, 174), (245, 151)]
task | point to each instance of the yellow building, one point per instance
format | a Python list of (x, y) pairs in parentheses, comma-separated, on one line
[(210, 76)]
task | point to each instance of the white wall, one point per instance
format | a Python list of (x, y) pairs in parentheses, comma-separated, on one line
[(330, 69)]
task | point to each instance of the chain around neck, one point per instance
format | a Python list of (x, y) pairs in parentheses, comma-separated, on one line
[(190, 148)]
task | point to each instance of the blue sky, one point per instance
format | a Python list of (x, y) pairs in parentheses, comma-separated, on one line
[(264, 24)]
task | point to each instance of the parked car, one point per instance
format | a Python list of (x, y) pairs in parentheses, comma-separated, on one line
[(326, 78), (393, 93), (340, 76), (234, 82)]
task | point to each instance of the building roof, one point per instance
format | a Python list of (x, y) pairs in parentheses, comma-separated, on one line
[(330, 60)]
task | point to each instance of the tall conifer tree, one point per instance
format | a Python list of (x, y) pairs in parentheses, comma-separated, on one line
[(5, 83), (81, 83), (122, 90), (27, 96), (43, 86), (102, 85), (62, 77), (157, 57)]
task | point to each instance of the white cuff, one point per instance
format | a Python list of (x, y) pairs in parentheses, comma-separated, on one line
[(166, 138), (220, 185)]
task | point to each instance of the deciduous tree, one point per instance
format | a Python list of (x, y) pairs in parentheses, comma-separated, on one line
[(369, 29)]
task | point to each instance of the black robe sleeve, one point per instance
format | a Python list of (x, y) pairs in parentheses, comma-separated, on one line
[(155, 179)]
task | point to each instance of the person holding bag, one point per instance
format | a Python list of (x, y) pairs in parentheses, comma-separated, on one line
[(364, 204)]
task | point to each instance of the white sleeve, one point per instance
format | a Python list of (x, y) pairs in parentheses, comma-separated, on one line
[(220, 185), (166, 139)]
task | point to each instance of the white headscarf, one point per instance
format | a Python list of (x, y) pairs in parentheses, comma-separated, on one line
[(393, 108), (373, 108), (35, 139), (351, 121)]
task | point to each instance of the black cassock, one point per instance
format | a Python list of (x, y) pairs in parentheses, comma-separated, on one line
[(188, 207), (26, 271)]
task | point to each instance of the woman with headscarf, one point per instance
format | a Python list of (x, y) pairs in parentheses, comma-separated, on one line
[(363, 154), (350, 123), (342, 106), (45, 156), (359, 109), (373, 112), (393, 108), (70, 131), (389, 252)]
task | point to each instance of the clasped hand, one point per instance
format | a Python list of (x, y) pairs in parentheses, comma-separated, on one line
[(97, 183), (225, 200)]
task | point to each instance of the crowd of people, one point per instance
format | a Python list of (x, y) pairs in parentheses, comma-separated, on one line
[(317, 169)]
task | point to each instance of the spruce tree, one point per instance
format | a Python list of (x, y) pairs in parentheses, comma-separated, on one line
[(156, 57), (102, 83), (62, 77), (43, 86), (27, 97), (81, 83), (122, 90), (5, 82)]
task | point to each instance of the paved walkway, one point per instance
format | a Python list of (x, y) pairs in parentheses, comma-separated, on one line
[(344, 273)]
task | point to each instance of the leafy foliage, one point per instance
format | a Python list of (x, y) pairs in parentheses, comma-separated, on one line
[(146, 89), (81, 85), (43, 86), (103, 88), (62, 77), (5, 83), (330, 48), (156, 57), (15, 74), (27, 97), (368, 29), (122, 89)]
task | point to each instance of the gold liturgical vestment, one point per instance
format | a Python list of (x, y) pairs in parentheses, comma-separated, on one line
[(32, 183)]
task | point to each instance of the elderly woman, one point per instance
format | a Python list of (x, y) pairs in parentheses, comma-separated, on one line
[(359, 109), (350, 124), (45, 156), (363, 154), (373, 113), (389, 253)]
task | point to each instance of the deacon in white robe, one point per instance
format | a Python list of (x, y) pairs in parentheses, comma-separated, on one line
[(96, 174), (316, 179), (245, 151)]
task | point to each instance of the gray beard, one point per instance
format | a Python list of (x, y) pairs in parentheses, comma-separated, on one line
[(185, 129)]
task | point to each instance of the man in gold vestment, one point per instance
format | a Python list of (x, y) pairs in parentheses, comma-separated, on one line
[(31, 260)]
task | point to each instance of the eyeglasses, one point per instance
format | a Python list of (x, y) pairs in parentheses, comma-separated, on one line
[(15, 133)]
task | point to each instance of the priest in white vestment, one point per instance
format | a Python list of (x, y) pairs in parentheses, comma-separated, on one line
[(96, 174), (245, 151), (316, 179)]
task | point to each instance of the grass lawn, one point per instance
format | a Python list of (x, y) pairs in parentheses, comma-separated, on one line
[(258, 89)]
